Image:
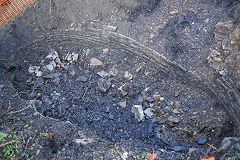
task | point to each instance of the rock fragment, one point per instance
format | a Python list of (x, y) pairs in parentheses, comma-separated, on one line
[(176, 111), (149, 112), (94, 62), (150, 99), (82, 78), (122, 104), (110, 28), (128, 75), (113, 71), (201, 141), (173, 13), (174, 119), (156, 97), (178, 148), (103, 74), (138, 111), (103, 85), (176, 103)]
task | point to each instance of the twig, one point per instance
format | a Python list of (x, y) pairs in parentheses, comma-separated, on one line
[(33, 126), (31, 101), (11, 109), (7, 143), (213, 147)]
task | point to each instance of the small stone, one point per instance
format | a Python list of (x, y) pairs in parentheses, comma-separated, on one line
[(110, 28), (140, 99), (128, 75), (122, 104), (95, 62), (47, 100), (124, 156), (191, 150), (156, 97), (72, 72), (138, 111), (217, 59), (138, 69), (111, 117), (107, 110), (177, 93), (103, 85), (226, 142), (75, 56), (151, 105), (176, 111), (33, 69), (52, 55), (201, 141), (150, 99), (113, 71), (40, 81), (82, 79), (53, 75), (50, 67), (149, 112), (162, 99), (206, 20), (177, 103), (69, 57), (178, 148), (37, 152), (103, 74), (174, 119), (137, 85), (38, 73), (173, 12), (105, 50)]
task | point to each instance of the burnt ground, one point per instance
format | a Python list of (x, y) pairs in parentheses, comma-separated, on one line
[(71, 107)]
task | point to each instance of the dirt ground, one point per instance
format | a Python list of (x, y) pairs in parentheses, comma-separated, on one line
[(121, 79)]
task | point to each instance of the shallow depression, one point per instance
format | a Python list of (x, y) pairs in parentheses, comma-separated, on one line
[(96, 86)]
